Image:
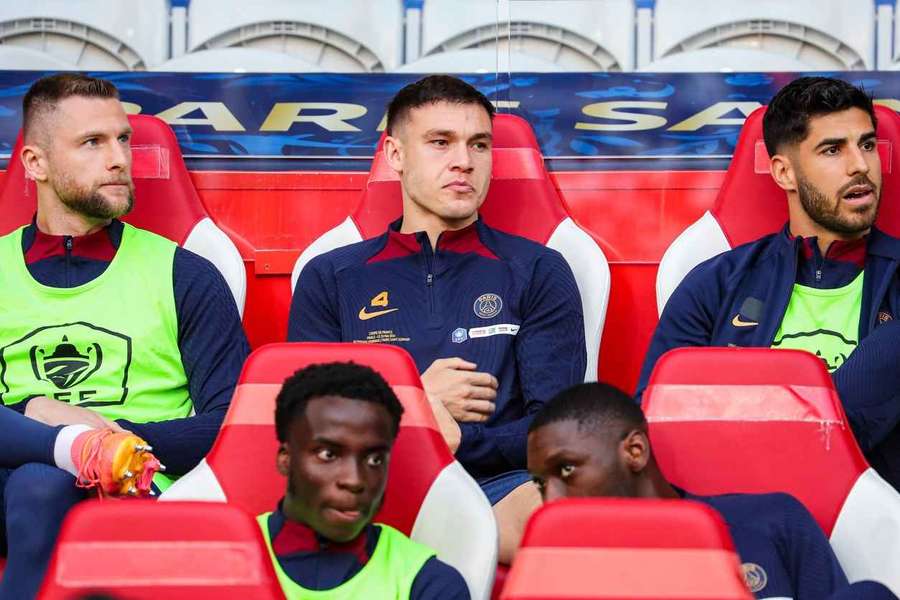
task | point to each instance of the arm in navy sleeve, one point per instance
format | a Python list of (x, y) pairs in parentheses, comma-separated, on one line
[(438, 581), (868, 384), (813, 567), (213, 349), (314, 306), (550, 357), (687, 319)]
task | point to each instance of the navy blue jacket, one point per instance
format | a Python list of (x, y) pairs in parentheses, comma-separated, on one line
[(211, 340), (503, 302), (316, 563), (755, 281), (784, 552)]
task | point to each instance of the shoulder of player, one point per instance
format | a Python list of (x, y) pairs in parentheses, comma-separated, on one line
[(351, 255), (757, 509), (515, 248)]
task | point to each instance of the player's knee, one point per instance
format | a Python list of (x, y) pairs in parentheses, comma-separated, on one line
[(39, 488)]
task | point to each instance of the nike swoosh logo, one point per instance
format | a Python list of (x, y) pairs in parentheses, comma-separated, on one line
[(365, 316), (737, 322)]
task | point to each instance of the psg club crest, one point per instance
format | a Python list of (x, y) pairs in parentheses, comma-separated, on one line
[(78, 363), (488, 306)]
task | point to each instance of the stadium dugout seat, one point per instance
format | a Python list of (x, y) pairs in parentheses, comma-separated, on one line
[(143, 550), (429, 495), (758, 420), (166, 201), (750, 204), (615, 548), (521, 200)]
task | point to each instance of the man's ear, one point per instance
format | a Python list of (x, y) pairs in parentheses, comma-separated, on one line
[(34, 159), (782, 170), (283, 460), (635, 450), (393, 152)]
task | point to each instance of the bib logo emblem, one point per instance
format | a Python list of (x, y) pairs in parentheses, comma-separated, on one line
[(754, 576), (459, 335), (488, 306), (66, 367), (78, 363)]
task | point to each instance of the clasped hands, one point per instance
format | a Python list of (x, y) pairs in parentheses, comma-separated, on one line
[(458, 393)]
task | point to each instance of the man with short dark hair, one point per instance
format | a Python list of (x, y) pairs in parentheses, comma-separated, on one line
[(336, 424), (103, 324), (493, 321), (827, 282), (592, 440)]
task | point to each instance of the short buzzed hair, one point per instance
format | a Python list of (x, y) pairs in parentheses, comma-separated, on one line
[(45, 93), (431, 90), (594, 406)]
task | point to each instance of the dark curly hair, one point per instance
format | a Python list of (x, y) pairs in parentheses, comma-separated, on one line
[(345, 379)]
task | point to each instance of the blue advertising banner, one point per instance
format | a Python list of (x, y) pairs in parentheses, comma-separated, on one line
[(589, 121)]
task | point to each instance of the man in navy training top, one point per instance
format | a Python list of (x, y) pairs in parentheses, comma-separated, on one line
[(104, 325), (591, 441), (827, 282), (336, 424), (493, 321)]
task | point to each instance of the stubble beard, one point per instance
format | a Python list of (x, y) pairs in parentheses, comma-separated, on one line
[(827, 212), (91, 202)]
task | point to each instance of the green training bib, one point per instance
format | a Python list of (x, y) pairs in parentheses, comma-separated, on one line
[(110, 345), (388, 575), (824, 322)]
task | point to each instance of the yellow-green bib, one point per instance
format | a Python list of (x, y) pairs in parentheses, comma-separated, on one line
[(388, 575), (110, 345), (823, 321)]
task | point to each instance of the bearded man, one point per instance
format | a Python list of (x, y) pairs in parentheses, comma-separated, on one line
[(103, 324), (827, 282)]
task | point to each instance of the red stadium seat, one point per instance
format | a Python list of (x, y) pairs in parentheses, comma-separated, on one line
[(166, 201), (522, 200), (146, 550), (429, 495), (750, 204), (762, 420), (605, 548)]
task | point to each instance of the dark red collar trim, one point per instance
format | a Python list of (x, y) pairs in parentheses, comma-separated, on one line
[(852, 251), (460, 241), (97, 246), (294, 537)]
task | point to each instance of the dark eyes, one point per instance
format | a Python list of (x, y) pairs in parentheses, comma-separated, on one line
[(326, 454), (375, 460), (566, 471)]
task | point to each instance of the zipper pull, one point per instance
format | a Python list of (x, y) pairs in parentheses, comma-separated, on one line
[(429, 279), (818, 275), (67, 243)]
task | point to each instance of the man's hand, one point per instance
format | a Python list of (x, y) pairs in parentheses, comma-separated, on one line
[(467, 394), (54, 412)]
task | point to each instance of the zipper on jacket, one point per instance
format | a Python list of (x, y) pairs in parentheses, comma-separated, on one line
[(67, 245), (429, 271)]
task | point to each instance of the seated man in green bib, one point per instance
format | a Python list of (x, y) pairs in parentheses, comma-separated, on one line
[(828, 281), (336, 424), (103, 325)]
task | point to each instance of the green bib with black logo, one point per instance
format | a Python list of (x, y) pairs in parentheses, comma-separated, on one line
[(110, 345), (388, 575), (823, 321)]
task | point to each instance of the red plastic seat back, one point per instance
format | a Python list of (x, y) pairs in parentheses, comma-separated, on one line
[(521, 199), (625, 548), (243, 456), (148, 550), (166, 201), (750, 204), (752, 420)]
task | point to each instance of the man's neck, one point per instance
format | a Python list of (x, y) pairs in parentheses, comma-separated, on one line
[(53, 218), (654, 485), (434, 226)]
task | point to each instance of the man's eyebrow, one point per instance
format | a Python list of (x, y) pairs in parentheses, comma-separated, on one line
[(867, 136), (440, 132), (326, 440), (484, 135), (835, 141)]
